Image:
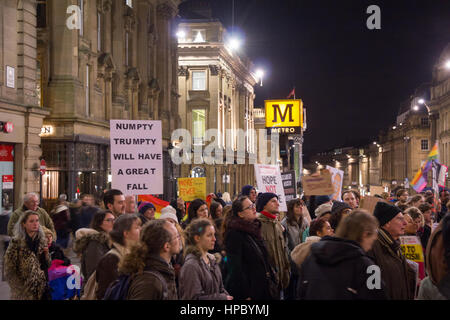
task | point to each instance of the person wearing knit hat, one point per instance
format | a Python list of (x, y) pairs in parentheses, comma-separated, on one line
[(169, 212), (250, 192), (339, 210), (273, 233), (324, 211), (322, 199), (397, 274), (146, 211)]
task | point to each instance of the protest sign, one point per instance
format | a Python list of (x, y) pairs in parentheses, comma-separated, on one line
[(318, 184), (289, 185), (412, 248), (192, 188), (376, 190), (268, 178), (368, 203), (136, 156), (337, 176)]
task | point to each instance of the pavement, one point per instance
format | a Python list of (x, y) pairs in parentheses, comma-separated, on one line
[(4, 287)]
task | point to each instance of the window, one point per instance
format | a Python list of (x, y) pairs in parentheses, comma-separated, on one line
[(424, 121), (198, 125), (424, 145), (81, 5), (87, 91), (99, 31), (127, 49), (199, 35), (129, 3), (198, 172), (198, 80), (41, 13)]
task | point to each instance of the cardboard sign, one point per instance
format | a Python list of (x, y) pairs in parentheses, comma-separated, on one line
[(318, 184), (192, 188), (289, 185), (337, 177), (412, 248), (376, 190), (136, 156), (368, 203), (268, 178)]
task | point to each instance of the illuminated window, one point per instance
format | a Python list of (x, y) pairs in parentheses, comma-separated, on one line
[(198, 125), (199, 35), (198, 80)]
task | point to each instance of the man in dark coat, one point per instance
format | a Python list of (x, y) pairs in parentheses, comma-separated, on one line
[(396, 273)]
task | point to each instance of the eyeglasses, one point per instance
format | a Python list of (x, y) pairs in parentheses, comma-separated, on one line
[(252, 206)]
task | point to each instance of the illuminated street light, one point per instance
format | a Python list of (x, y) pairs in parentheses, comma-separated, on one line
[(260, 75), (421, 101), (416, 108), (181, 35), (394, 127), (234, 44), (447, 64)]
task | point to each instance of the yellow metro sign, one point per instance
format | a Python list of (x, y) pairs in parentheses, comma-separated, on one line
[(284, 116)]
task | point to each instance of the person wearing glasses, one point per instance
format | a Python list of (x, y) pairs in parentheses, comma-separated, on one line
[(92, 243), (30, 202), (249, 274)]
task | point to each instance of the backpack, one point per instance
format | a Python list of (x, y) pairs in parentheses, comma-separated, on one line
[(118, 290), (90, 289)]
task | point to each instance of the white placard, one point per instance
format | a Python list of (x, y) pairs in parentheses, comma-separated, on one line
[(337, 177), (136, 156), (10, 77), (268, 179)]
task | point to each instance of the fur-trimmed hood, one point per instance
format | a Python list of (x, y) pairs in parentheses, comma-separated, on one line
[(21, 242), (82, 242)]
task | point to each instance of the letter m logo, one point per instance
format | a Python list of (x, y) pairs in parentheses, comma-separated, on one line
[(277, 111)]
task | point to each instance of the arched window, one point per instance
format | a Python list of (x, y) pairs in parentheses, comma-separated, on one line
[(198, 172)]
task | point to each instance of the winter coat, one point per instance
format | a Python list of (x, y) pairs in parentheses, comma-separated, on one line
[(246, 265), (398, 276), (108, 268), (86, 215), (56, 253), (25, 270), (302, 251), (146, 286), (61, 220), (294, 233), (44, 220), (198, 281), (336, 269), (273, 235), (74, 223), (428, 291), (92, 245)]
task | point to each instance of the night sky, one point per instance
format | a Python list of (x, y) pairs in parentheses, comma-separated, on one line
[(352, 80)]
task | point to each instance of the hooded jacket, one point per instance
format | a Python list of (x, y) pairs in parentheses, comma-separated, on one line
[(44, 220), (198, 281), (336, 269), (398, 276), (302, 251), (25, 270), (146, 286), (91, 245)]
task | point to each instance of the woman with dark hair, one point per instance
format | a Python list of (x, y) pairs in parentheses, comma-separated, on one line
[(197, 209), (344, 261), (200, 277), (249, 274), (436, 286), (339, 210), (216, 211), (295, 223), (94, 242), (27, 260), (124, 235)]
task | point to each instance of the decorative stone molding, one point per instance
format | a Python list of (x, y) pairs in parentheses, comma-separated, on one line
[(183, 72), (214, 69), (153, 88), (130, 19), (104, 6)]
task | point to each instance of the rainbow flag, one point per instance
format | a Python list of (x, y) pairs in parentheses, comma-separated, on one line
[(158, 203), (419, 182), (434, 153)]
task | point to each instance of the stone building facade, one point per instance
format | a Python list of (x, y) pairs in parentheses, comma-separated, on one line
[(21, 116), (101, 60), (216, 85)]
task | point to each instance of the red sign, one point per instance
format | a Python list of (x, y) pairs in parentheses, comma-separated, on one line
[(6, 153), (43, 167), (8, 181)]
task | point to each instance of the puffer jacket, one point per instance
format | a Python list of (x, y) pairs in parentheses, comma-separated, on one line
[(91, 245), (146, 286), (198, 281), (273, 235), (25, 270), (44, 220), (337, 269)]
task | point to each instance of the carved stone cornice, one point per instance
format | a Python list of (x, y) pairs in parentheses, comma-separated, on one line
[(183, 72), (215, 69), (130, 19), (104, 6)]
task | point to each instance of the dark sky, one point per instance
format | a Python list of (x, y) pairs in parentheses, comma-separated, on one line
[(351, 79)]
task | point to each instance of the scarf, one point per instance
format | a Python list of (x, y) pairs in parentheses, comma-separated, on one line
[(387, 240), (269, 215), (251, 227)]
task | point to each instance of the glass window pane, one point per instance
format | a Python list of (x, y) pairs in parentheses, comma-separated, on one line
[(198, 80), (198, 125)]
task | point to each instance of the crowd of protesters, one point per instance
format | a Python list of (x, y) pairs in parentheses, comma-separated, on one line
[(234, 249)]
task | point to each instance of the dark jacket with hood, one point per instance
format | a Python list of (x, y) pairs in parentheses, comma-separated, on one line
[(246, 264), (336, 269), (147, 286), (398, 276), (92, 245), (198, 281)]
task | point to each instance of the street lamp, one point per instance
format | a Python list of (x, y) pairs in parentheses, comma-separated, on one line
[(422, 101), (234, 44), (260, 75), (447, 64)]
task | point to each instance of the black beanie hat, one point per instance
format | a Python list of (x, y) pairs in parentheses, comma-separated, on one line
[(339, 206), (262, 200), (385, 212), (247, 189)]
